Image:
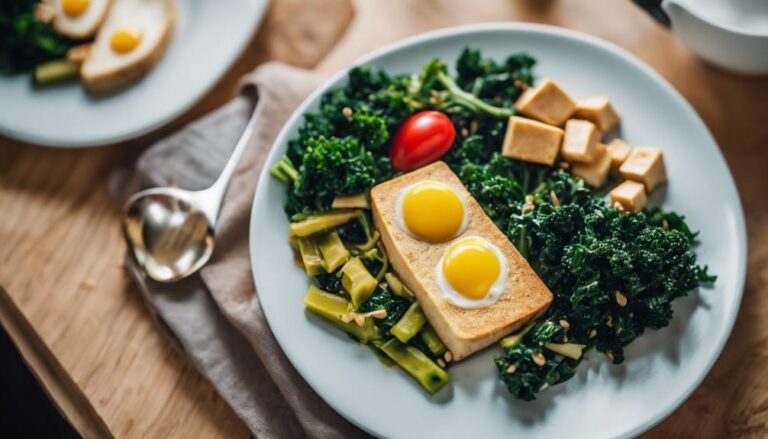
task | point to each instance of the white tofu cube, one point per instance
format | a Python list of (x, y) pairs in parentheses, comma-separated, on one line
[(619, 152), (531, 141), (630, 195), (599, 111), (596, 173), (547, 103), (580, 141), (645, 165)]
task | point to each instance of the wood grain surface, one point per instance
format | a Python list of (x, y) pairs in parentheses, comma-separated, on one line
[(60, 248)]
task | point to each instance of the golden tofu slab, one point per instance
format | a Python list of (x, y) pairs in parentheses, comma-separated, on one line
[(546, 102), (531, 141), (630, 195), (599, 111), (645, 165), (596, 173), (580, 141), (463, 330), (619, 152)]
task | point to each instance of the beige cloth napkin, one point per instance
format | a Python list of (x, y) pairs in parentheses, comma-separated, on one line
[(215, 317)]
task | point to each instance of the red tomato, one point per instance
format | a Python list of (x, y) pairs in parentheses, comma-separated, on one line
[(421, 139)]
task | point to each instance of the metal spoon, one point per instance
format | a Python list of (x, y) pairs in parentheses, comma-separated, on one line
[(170, 231)]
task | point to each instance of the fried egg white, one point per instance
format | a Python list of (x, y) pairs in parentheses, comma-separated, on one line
[(79, 19), (472, 273), (432, 211)]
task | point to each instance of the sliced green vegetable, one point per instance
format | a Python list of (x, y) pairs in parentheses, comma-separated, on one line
[(378, 254), (357, 281), (321, 222), (375, 346), (332, 307), (410, 324), (570, 350), (431, 376), (397, 286), (310, 255), (333, 251), (516, 338), (358, 201), (432, 340), (285, 171), (56, 71)]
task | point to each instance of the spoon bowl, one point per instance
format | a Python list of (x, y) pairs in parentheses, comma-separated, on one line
[(167, 234)]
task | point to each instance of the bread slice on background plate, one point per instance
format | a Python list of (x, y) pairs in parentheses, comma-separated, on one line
[(107, 69), (463, 330)]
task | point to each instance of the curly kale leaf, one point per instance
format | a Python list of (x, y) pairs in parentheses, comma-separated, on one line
[(24, 41), (334, 166), (396, 307)]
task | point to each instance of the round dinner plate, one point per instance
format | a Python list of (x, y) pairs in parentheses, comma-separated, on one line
[(208, 37), (602, 401)]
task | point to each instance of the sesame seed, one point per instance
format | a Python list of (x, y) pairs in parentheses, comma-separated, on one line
[(609, 356), (609, 322), (347, 112), (379, 314), (511, 369), (564, 324), (539, 358), (359, 320), (448, 356), (464, 132), (564, 166), (665, 224), (621, 299), (593, 333), (527, 207), (440, 362), (473, 126), (553, 198)]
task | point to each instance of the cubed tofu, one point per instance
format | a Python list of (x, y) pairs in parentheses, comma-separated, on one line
[(580, 141), (619, 152), (630, 195), (547, 103), (645, 165), (531, 141), (599, 111), (596, 173)]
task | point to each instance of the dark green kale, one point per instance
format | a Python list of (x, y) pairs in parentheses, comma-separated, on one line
[(24, 41), (395, 305)]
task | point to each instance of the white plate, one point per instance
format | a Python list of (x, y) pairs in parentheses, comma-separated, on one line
[(662, 368), (208, 38)]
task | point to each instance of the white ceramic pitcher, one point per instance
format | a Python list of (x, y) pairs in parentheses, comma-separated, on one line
[(732, 34)]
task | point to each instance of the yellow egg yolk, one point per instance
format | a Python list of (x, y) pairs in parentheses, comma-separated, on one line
[(432, 211), (125, 39), (471, 267), (74, 8)]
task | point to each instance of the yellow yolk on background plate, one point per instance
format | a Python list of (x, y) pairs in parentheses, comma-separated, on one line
[(472, 273), (432, 211), (125, 39), (74, 8)]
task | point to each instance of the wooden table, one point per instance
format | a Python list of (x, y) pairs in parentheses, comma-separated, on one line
[(82, 325)]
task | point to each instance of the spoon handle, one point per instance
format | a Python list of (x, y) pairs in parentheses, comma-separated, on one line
[(211, 199), (654, 8)]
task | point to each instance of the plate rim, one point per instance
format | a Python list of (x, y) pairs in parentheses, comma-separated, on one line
[(34, 138), (583, 38)]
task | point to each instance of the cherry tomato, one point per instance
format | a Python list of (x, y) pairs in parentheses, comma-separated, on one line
[(421, 139)]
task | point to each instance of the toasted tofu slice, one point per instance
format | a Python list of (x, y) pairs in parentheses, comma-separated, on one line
[(619, 151), (531, 141), (645, 165), (463, 330), (546, 102), (580, 141), (630, 195), (599, 111), (596, 173)]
